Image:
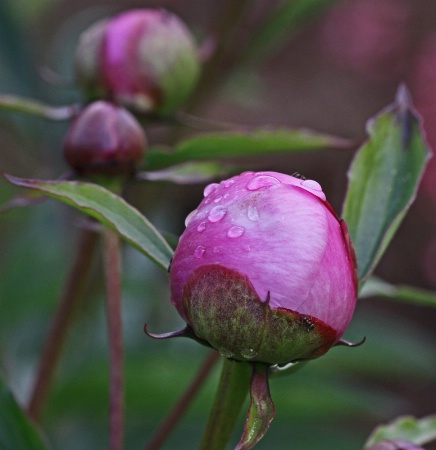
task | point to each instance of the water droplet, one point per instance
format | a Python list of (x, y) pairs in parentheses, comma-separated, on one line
[(210, 188), (199, 251), (201, 227), (225, 353), (216, 250), (249, 353), (218, 199), (314, 187), (228, 183), (190, 217), (226, 195), (253, 213), (311, 184), (216, 213), (261, 181), (235, 232)]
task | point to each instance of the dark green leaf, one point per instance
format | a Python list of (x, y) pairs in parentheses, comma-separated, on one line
[(407, 294), (417, 431), (231, 144), (109, 209), (16, 430), (383, 180)]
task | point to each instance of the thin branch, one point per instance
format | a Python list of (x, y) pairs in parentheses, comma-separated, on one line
[(31, 107), (62, 321), (183, 404), (112, 259)]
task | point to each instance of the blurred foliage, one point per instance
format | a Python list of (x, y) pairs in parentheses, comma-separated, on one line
[(334, 402)]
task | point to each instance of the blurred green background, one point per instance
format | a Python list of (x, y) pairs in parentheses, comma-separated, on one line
[(330, 70)]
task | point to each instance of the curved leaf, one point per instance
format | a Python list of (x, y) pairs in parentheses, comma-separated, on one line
[(383, 180), (417, 431), (109, 209), (16, 430), (232, 144)]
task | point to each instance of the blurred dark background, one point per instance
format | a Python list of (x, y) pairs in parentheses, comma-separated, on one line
[(330, 72)]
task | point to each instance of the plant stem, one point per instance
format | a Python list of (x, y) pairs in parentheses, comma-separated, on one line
[(184, 402), (62, 321), (23, 105), (232, 390), (112, 260)]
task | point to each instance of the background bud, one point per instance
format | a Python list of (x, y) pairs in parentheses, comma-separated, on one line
[(265, 270), (104, 138), (394, 445), (145, 59)]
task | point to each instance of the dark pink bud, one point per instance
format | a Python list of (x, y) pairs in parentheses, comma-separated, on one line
[(265, 271), (145, 59), (104, 138)]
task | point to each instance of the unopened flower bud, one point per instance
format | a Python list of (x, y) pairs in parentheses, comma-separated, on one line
[(145, 59), (265, 271), (105, 139)]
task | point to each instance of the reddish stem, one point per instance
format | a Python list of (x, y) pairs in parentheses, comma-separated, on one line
[(112, 260), (62, 321), (184, 402)]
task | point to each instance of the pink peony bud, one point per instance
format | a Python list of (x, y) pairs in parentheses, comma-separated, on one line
[(265, 271), (104, 138), (145, 59)]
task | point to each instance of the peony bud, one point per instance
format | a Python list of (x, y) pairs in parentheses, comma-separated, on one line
[(105, 139), (145, 59), (394, 445), (265, 271)]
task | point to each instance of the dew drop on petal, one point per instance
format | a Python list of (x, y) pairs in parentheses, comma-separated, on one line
[(201, 227), (253, 213), (262, 181), (217, 213), (314, 187), (190, 217), (225, 353), (235, 232), (218, 199), (216, 250), (228, 183), (249, 353), (210, 188), (199, 251)]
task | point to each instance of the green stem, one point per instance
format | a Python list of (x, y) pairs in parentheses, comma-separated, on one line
[(62, 321), (184, 402), (112, 260), (232, 391), (23, 105)]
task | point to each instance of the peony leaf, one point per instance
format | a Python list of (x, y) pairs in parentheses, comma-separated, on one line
[(109, 209), (16, 430), (383, 180), (261, 410), (232, 144), (408, 428), (406, 294)]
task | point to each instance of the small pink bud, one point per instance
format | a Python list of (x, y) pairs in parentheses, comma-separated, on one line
[(394, 445), (104, 138), (145, 59), (265, 271)]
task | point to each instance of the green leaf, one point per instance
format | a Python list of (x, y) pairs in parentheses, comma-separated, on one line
[(383, 180), (16, 430), (407, 294), (261, 410), (108, 208), (231, 144), (281, 23), (188, 173), (417, 431)]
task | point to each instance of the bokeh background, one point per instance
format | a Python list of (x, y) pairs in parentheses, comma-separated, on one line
[(330, 72)]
